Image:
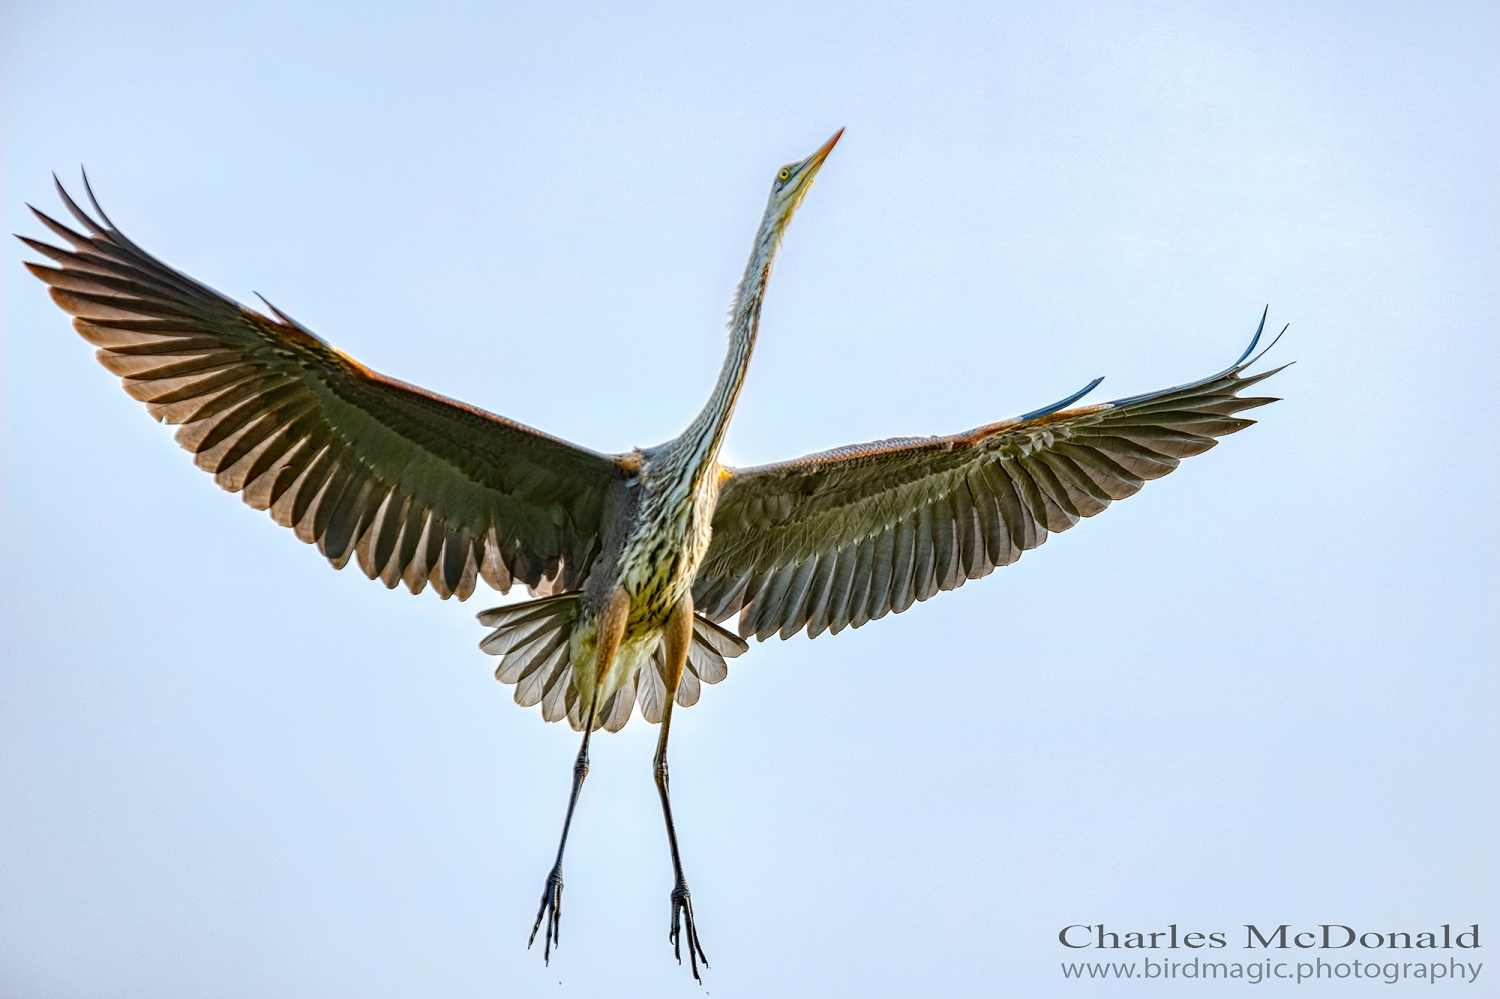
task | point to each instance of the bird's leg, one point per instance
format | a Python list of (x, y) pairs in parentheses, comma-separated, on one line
[(679, 633), (611, 630)]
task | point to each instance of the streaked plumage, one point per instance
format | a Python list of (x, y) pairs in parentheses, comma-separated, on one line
[(419, 489)]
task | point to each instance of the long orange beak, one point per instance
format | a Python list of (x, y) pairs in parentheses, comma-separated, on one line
[(817, 158)]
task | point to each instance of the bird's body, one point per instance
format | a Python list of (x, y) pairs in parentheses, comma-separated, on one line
[(633, 556), (667, 520), (667, 523), (660, 525)]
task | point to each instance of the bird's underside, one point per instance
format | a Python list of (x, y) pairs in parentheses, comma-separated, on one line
[(419, 489)]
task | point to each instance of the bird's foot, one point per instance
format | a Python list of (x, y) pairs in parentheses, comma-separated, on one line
[(551, 909), (682, 918)]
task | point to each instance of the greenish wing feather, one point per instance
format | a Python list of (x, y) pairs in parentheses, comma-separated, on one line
[(416, 487), (843, 537)]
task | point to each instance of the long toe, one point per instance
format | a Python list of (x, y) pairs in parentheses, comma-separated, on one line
[(551, 911), (682, 919)]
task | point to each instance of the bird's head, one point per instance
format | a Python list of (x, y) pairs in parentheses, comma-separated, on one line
[(790, 186)]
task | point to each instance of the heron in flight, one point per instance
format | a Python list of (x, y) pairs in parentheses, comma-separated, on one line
[(633, 557)]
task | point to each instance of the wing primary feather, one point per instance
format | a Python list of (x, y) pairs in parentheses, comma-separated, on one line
[(1058, 513), (89, 190), (74, 210), (78, 239), (1111, 478), (1255, 339), (259, 446), (1084, 493), (231, 419), (1263, 353), (1144, 462), (283, 477), (1226, 374), (265, 431), (44, 249), (299, 494), (1246, 381)]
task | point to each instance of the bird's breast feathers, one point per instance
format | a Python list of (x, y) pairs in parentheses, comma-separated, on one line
[(662, 556)]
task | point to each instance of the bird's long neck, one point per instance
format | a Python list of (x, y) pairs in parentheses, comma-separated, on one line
[(696, 450)]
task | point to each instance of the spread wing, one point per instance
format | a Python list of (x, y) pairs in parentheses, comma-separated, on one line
[(847, 536), (420, 488)]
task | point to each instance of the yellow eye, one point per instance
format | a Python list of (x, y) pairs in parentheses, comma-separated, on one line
[(785, 173)]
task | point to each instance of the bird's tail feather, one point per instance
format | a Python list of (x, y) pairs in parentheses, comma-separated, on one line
[(532, 641), (711, 645)]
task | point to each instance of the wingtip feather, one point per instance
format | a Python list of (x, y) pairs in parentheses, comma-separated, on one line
[(89, 190), (1256, 338), (72, 206)]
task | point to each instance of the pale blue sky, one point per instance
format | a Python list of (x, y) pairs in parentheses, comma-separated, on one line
[(1256, 692)]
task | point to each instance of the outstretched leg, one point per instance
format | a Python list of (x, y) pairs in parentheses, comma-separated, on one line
[(611, 629), (679, 633)]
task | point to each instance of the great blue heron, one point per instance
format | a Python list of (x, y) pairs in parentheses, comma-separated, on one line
[(634, 556)]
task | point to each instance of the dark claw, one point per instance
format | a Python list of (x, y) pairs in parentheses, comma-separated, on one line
[(551, 908), (682, 913)]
